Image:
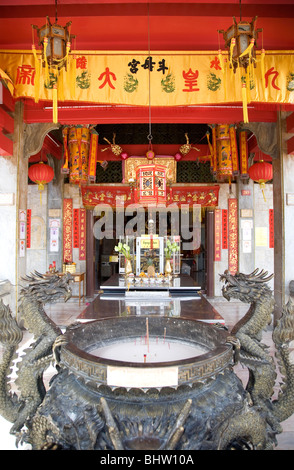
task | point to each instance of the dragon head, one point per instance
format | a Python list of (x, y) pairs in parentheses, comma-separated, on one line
[(245, 287), (47, 289)]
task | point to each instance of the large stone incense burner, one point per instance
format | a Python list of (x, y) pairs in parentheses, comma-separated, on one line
[(145, 402), (148, 382), (145, 352)]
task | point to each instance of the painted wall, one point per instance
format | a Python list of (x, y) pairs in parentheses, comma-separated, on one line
[(37, 254), (289, 220), (261, 256), (8, 185)]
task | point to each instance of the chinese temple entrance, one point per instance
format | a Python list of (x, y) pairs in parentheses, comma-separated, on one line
[(195, 258)]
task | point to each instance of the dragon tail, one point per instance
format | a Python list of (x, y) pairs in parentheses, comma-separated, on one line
[(283, 337), (10, 337)]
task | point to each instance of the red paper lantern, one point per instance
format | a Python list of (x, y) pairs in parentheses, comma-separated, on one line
[(41, 174), (261, 172)]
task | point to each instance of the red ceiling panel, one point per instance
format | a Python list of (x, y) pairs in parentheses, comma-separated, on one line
[(118, 25)]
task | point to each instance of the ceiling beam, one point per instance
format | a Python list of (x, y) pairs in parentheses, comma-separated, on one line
[(96, 114), (224, 9)]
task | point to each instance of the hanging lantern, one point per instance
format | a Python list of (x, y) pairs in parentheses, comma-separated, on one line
[(225, 164), (151, 180), (55, 42), (240, 39), (261, 172), (41, 173)]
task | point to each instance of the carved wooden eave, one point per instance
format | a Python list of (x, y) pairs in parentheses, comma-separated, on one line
[(34, 135), (266, 135)]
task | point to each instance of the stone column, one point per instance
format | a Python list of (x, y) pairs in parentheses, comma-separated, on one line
[(90, 254), (272, 139), (13, 188), (210, 253)]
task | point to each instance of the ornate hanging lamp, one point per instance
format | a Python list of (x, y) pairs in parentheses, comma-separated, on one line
[(80, 144), (55, 41), (152, 184), (261, 172), (41, 173), (240, 40)]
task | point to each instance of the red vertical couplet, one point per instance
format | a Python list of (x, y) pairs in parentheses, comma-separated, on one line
[(29, 218), (76, 228), (217, 234), (271, 229), (233, 236), (82, 234), (67, 230), (225, 228)]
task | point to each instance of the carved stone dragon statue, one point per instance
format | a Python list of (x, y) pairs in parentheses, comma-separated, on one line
[(253, 354), (40, 290)]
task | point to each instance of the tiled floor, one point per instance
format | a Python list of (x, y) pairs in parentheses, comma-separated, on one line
[(66, 314)]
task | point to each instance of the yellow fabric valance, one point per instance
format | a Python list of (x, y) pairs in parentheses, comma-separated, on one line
[(176, 78)]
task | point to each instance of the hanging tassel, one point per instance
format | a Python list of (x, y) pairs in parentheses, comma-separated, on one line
[(220, 56), (221, 61), (55, 99), (37, 76), (248, 50), (214, 155), (262, 186), (232, 46), (65, 169), (262, 57), (244, 100), (47, 77), (248, 94), (71, 76), (211, 151)]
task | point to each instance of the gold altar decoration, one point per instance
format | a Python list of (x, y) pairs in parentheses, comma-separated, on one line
[(185, 148), (131, 164), (119, 195), (115, 148), (151, 184)]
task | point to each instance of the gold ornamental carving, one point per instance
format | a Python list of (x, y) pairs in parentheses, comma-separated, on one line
[(133, 162)]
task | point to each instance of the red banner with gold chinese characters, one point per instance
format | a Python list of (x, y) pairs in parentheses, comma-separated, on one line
[(82, 255), (29, 218), (76, 228), (233, 235), (67, 230), (271, 229), (243, 146), (217, 234), (120, 195), (225, 228)]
